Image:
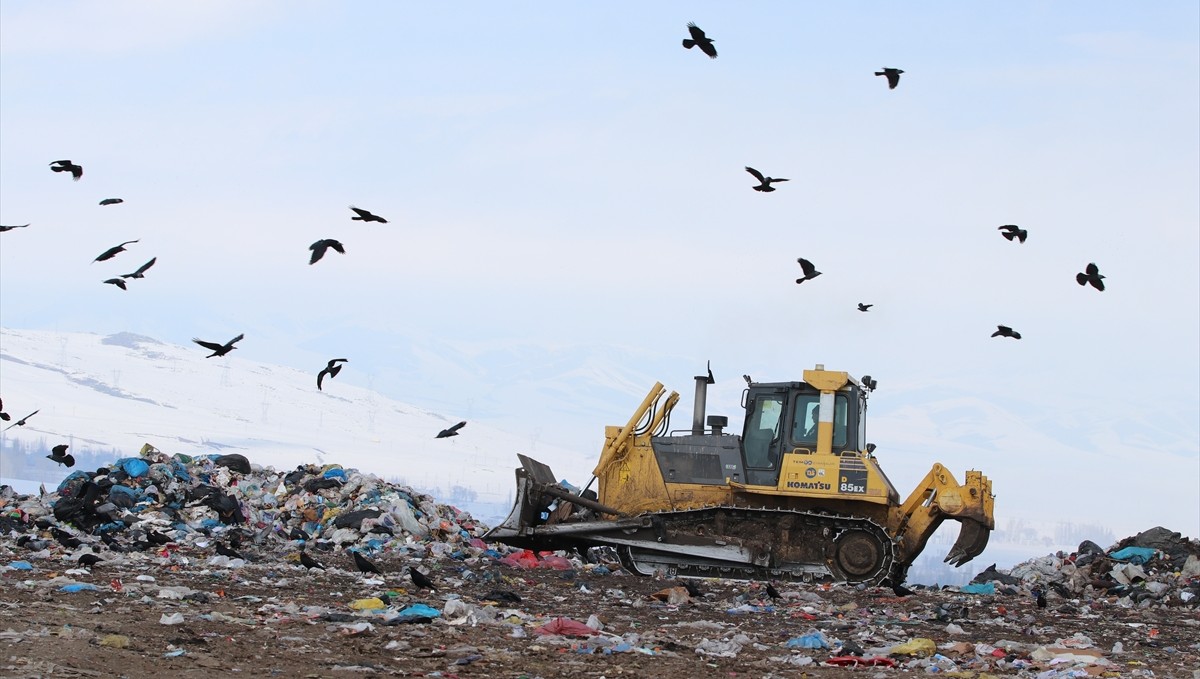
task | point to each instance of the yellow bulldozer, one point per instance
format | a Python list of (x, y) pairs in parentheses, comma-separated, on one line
[(798, 496)]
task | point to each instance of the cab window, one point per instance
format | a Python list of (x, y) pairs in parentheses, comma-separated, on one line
[(762, 428)]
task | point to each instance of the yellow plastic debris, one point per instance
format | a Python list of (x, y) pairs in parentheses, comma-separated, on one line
[(371, 604), (115, 641), (919, 646)]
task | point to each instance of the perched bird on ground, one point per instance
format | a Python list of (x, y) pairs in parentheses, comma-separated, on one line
[(450, 431), (67, 166), (319, 248), (332, 369), (864, 307), (112, 201), (10, 228), (772, 592), (21, 422), (1091, 276), (692, 590), (420, 579), (1012, 231), (308, 562), (59, 454), (117, 282), (700, 40), (363, 565), (810, 271), (219, 349), (893, 76), (1039, 598), (297, 534), (901, 590), (764, 183), (112, 252), (363, 215), (156, 538), (226, 551), (65, 539), (89, 560), (1005, 331), (141, 271)]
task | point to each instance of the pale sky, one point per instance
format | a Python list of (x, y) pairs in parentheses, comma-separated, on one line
[(563, 179)]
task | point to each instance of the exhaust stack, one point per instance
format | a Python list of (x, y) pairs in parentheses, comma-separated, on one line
[(698, 407)]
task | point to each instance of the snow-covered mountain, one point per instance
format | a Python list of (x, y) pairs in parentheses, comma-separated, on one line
[(121, 391)]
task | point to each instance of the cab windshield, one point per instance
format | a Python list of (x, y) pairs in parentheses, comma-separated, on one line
[(806, 415)]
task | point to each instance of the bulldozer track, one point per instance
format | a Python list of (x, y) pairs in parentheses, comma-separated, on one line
[(775, 544)]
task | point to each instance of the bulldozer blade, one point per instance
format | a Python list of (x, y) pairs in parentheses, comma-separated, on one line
[(972, 539)]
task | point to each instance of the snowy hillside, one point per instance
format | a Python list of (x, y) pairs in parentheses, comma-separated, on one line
[(124, 390)]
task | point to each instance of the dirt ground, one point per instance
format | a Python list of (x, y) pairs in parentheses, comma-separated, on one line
[(272, 618)]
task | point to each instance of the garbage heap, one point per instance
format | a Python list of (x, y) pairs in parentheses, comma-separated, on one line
[(135, 499), (1155, 567)]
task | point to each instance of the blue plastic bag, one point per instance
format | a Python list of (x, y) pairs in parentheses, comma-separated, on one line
[(979, 588), (1134, 555), (810, 640), (78, 587), (21, 566), (133, 466)]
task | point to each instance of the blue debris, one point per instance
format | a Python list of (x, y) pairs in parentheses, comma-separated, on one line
[(79, 587), (979, 588), (1134, 555), (21, 566)]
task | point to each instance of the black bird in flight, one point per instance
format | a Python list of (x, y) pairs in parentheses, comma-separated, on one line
[(21, 422), (112, 252), (112, 201), (764, 183), (308, 562), (893, 76), (10, 228), (810, 271), (1091, 276), (363, 215), (331, 369), (1005, 331), (59, 454), (363, 565), (864, 307), (420, 579), (700, 40), (450, 431), (1012, 231), (89, 560), (141, 272), (67, 166), (219, 349), (3, 415), (117, 282), (319, 248)]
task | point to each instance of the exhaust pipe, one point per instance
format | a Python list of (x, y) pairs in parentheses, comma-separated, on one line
[(698, 407)]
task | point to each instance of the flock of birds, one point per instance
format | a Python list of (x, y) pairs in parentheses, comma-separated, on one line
[(1089, 276)]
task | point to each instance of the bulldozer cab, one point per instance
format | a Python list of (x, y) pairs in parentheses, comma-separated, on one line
[(784, 418)]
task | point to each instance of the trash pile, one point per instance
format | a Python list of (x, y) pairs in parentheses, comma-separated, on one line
[(155, 499)]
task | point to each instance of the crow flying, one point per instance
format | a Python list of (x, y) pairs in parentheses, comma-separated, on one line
[(1091, 275), (112, 252), (117, 282), (141, 272), (1005, 331), (219, 349), (112, 201), (319, 248), (21, 422), (3, 415), (864, 307), (331, 369), (10, 228), (810, 271), (1012, 231), (363, 215), (67, 166), (450, 431), (59, 454), (700, 40), (764, 183), (893, 76), (363, 565)]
